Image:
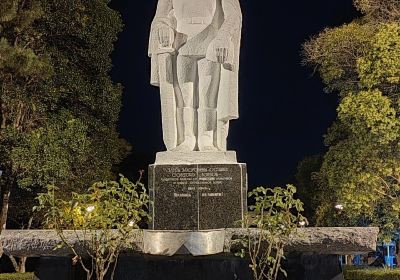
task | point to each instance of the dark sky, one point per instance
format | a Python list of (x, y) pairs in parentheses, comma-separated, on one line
[(284, 111)]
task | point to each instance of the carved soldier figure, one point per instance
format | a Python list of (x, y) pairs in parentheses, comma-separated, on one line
[(194, 49)]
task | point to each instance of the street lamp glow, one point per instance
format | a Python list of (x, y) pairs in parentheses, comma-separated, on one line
[(90, 209), (339, 207)]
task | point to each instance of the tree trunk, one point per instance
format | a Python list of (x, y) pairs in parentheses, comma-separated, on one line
[(3, 115), (4, 214), (4, 210), (22, 265), (14, 263)]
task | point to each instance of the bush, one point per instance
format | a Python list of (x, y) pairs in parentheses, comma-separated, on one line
[(275, 214), (352, 273), (103, 220), (16, 276)]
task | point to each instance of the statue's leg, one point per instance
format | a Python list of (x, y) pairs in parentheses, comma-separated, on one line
[(186, 75), (168, 100), (209, 78)]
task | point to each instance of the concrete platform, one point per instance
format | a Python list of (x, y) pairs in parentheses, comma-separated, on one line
[(327, 241)]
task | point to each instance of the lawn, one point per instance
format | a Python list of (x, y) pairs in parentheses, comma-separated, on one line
[(16, 276), (352, 273)]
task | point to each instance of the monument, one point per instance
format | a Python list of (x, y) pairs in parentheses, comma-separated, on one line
[(197, 187), (194, 49)]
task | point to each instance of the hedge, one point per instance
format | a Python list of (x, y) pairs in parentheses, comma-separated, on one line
[(352, 273), (16, 276)]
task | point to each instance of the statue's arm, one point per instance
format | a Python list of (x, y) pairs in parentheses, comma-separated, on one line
[(162, 27), (221, 50), (232, 19), (164, 7)]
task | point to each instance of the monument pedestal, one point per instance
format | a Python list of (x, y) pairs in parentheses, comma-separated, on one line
[(197, 191)]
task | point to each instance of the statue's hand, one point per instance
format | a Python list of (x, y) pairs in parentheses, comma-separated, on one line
[(165, 36), (221, 49), (222, 55)]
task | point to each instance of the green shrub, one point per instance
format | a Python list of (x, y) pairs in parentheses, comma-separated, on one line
[(106, 216), (16, 276), (275, 214), (352, 273)]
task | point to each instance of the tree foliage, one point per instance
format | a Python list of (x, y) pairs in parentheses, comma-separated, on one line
[(361, 170), (334, 54), (380, 66), (379, 10), (58, 105), (308, 191)]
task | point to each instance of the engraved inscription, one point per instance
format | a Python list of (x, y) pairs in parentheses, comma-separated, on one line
[(182, 195), (197, 179)]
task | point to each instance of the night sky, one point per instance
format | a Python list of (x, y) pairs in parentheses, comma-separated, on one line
[(284, 111)]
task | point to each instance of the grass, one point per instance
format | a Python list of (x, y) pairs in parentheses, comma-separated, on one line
[(16, 276), (353, 273), (350, 273)]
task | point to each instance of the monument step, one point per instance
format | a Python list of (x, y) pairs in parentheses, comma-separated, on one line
[(196, 157)]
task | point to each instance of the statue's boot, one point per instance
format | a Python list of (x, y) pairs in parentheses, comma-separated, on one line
[(189, 138), (222, 134), (207, 122)]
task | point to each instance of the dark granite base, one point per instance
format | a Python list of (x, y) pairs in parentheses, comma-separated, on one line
[(313, 267), (60, 268), (184, 268), (197, 196), (220, 267)]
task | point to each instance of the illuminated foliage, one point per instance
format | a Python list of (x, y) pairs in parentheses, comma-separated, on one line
[(58, 105), (103, 219), (361, 170)]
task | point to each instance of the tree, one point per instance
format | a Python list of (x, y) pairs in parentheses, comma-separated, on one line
[(58, 105), (308, 190), (345, 56), (361, 170)]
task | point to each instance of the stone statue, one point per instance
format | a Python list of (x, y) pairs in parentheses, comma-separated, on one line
[(194, 49)]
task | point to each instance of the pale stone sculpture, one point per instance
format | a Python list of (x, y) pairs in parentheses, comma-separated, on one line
[(194, 49)]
